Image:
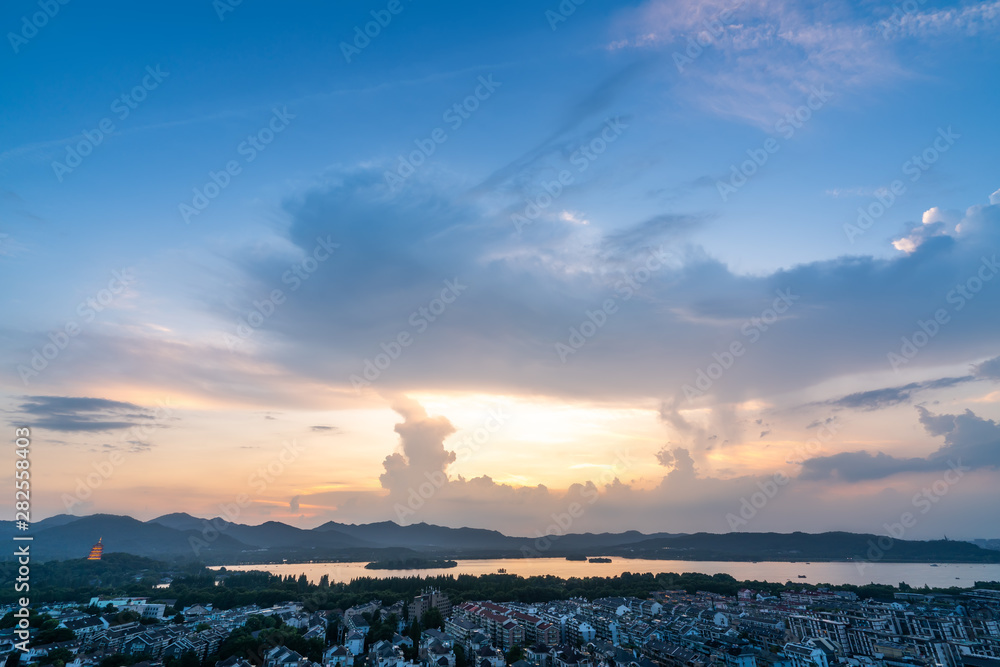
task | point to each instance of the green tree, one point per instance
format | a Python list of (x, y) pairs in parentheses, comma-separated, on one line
[(432, 619), (460, 659), (57, 656), (514, 654)]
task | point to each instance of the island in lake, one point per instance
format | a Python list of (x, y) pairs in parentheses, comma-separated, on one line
[(600, 560), (410, 564)]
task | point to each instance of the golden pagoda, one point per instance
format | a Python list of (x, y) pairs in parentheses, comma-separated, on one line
[(96, 550)]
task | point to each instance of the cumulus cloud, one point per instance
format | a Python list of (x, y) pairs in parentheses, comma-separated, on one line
[(423, 457), (935, 222), (969, 441), (678, 459)]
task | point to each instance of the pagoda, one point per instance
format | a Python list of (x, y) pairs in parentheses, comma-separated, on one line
[(96, 550)]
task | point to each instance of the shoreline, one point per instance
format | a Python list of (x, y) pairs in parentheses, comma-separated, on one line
[(624, 558)]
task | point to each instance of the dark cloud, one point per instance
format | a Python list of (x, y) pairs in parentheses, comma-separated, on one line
[(876, 399), (969, 441), (327, 429), (73, 414), (989, 369)]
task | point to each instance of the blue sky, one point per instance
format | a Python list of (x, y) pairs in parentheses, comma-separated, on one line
[(645, 110)]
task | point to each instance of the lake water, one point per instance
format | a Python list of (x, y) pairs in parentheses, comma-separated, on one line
[(914, 574)]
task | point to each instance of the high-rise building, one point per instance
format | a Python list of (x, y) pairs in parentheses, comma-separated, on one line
[(428, 599), (97, 550)]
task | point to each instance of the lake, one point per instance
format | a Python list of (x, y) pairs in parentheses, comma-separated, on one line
[(914, 574)]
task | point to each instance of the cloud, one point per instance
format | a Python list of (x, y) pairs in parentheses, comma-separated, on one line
[(423, 458), (989, 369), (682, 500), (966, 21), (877, 399), (935, 222), (678, 459), (526, 294), (293, 504), (326, 429), (969, 441), (756, 60), (591, 109), (72, 414), (651, 232)]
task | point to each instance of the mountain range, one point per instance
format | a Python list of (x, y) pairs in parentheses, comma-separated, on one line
[(181, 536)]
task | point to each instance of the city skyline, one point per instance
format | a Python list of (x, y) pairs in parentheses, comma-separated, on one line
[(663, 261)]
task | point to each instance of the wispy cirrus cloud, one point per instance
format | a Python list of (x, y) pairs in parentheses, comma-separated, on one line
[(756, 60)]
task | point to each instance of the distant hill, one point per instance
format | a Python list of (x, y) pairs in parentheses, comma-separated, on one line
[(181, 536), (423, 536), (832, 546), (73, 539), (269, 534), (988, 544)]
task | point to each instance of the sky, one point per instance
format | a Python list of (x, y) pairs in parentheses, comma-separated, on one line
[(691, 266)]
